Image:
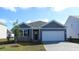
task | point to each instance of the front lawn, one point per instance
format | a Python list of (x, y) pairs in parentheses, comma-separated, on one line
[(26, 46)]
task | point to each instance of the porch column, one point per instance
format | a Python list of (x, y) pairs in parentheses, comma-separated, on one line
[(23, 33), (32, 33), (39, 33)]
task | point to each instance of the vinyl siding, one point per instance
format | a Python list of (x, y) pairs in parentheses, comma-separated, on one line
[(72, 26), (3, 32)]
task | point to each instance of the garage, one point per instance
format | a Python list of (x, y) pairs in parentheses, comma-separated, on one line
[(53, 35)]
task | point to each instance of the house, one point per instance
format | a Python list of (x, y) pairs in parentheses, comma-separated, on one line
[(10, 33), (3, 31), (42, 31), (72, 25)]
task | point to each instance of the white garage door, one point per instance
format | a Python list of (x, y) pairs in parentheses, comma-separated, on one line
[(53, 36)]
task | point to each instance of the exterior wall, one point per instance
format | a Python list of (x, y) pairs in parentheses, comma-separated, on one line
[(3, 32), (40, 34), (52, 30), (72, 26)]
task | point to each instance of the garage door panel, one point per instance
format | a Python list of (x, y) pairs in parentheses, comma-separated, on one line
[(53, 36)]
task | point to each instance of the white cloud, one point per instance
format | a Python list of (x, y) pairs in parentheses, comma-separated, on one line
[(3, 20), (12, 21), (58, 5), (62, 21), (29, 21), (33, 20), (13, 9)]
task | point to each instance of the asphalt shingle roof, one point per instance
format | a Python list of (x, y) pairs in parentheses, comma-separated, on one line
[(37, 24), (41, 24), (24, 25), (53, 24), (75, 16)]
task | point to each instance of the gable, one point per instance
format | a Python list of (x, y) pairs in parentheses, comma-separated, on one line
[(53, 24), (23, 25)]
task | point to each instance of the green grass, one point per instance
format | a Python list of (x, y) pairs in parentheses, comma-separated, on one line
[(4, 40), (26, 46)]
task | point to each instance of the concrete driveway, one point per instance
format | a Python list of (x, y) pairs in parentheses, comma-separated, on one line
[(61, 46)]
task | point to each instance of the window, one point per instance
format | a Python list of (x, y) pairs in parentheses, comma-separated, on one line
[(25, 32), (36, 33)]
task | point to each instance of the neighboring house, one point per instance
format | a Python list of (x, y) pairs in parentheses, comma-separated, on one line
[(9, 32), (72, 27), (42, 31), (3, 31)]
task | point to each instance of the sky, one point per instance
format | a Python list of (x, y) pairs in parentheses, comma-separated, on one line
[(35, 10)]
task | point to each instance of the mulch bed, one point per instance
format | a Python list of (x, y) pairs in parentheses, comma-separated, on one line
[(73, 40)]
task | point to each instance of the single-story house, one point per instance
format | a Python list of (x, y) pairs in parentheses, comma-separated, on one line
[(72, 27), (3, 31), (42, 31)]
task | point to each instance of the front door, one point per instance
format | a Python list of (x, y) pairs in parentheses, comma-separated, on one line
[(35, 34)]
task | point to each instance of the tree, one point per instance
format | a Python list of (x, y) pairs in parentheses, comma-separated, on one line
[(16, 30)]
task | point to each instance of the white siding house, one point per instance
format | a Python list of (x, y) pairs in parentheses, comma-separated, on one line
[(3, 31), (72, 27)]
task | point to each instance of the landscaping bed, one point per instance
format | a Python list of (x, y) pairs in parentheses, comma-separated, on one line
[(73, 40)]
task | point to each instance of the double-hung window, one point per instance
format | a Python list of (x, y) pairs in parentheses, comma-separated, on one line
[(26, 32)]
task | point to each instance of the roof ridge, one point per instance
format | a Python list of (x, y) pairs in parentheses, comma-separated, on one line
[(37, 21), (76, 16)]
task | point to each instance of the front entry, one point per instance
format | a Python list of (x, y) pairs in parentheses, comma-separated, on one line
[(35, 34)]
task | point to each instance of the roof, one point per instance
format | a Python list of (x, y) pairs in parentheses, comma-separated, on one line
[(24, 25), (21, 25), (77, 18), (37, 24), (41, 24), (2, 24), (53, 24), (9, 31)]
